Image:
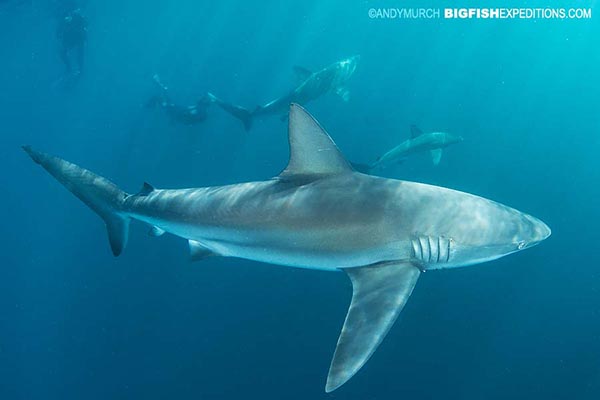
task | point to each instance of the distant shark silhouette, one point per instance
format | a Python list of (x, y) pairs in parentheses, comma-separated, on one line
[(319, 213), (434, 142), (311, 86)]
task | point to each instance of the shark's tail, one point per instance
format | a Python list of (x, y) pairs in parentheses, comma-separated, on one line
[(241, 113), (363, 168), (98, 193)]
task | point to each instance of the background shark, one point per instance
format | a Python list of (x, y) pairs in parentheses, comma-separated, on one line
[(419, 142), (312, 85), (320, 214)]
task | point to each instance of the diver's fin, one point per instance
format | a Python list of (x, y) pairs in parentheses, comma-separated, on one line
[(436, 156), (312, 152), (212, 98), (98, 193), (146, 189), (343, 92), (415, 131), (198, 251), (363, 168), (379, 294), (156, 231), (301, 73)]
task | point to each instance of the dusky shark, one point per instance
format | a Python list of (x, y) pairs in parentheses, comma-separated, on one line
[(434, 142), (320, 214), (311, 86)]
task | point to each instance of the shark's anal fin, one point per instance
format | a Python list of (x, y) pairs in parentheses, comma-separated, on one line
[(301, 73), (198, 251), (312, 152), (436, 156), (415, 131), (379, 294)]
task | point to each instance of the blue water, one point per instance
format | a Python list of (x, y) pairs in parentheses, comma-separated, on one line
[(77, 323)]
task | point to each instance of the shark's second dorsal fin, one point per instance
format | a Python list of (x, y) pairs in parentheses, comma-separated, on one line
[(312, 152), (301, 73), (415, 131)]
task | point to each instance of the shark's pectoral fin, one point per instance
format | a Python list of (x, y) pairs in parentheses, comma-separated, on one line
[(343, 92), (379, 294), (198, 251), (436, 156)]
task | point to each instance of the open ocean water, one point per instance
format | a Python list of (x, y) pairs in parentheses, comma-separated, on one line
[(77, 323)]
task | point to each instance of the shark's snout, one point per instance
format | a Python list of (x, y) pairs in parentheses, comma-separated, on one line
[(539, 231), (348, 66), (536, 232)]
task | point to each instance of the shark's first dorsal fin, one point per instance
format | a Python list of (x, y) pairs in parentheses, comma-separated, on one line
[(415, 131), (301, 73), (312, 152), (146, 189)]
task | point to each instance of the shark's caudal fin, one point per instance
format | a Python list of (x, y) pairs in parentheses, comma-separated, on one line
[(241, 113), (98, 193)]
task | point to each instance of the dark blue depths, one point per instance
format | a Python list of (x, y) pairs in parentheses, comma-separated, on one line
[(77, 323)]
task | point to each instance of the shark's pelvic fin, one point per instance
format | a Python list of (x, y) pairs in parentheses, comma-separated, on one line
[(301, 73), (312, 152), (379, 294), (155, 231), (415, 131), (198, 251), (436, 156), (98, 193)]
